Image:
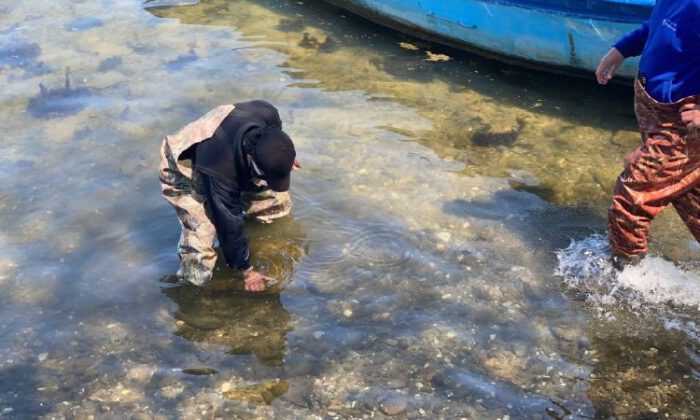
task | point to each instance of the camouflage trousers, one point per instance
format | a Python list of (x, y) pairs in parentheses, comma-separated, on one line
[(198, 237), (663, 170)]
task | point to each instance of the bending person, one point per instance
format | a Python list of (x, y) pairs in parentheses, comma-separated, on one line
[(235, 161)]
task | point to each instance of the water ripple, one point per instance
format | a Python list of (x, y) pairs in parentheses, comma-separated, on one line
[(382, 246), (356, 250)]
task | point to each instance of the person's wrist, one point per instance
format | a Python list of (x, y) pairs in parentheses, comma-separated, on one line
[(247, 271)]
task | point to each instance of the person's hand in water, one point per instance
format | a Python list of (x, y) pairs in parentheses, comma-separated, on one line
[(608, 66), (690, 114), (256, 282)]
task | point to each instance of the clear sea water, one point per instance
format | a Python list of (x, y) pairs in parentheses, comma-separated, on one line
[(443, 258)]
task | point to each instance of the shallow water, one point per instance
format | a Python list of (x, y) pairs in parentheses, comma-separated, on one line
[(419, 258)]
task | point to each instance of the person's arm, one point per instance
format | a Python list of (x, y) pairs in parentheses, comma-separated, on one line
[(224, 201), (630, 45), (225, 206)]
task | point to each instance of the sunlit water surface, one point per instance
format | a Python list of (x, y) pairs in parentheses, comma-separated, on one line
[(420, 259)]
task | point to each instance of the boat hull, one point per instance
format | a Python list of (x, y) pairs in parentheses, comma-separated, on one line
[(564, 35)]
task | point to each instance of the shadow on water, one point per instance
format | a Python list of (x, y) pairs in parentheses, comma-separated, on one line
[(59, 102), (525, 214)]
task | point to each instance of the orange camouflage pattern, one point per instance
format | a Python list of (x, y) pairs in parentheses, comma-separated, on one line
[(663, 170), (182, 188)]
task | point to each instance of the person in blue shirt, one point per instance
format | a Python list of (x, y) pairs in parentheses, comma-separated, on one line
[(665, 168)]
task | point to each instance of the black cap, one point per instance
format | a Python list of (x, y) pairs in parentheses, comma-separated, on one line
[(274, 155), (257, 111)]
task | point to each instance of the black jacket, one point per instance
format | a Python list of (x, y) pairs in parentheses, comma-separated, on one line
[(221, 162)]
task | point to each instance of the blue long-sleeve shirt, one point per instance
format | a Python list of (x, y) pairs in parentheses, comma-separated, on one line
[(669, 43)]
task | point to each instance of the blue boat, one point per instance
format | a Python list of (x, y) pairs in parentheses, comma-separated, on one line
[(561, 35)]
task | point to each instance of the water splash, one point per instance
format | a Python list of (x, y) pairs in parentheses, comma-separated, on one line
[(586, 263), (661, 282), (654, 287), (588, 258)]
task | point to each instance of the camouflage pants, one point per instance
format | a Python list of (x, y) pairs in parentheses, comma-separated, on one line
[(664, 170), (196, 245)]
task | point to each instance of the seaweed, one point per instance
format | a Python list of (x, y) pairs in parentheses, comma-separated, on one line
[(19, 54), (485, 137)]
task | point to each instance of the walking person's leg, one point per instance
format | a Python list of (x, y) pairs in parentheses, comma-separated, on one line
[(663, 169), (688, 208), (688, 205)]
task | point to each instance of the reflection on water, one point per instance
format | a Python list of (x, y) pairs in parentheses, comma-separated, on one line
[(415, 274), (244, 324)]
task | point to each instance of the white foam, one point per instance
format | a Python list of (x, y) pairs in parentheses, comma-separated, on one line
[(689, 327), (586, 264), (660, 281), (654, 285)]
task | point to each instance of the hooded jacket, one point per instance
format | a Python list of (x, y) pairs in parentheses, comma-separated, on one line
[(220, 160)]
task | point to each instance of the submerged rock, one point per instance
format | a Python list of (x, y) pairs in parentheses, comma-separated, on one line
[(309, 41), (291, 25), (393, 405), (487, 137), (264, 392), (330, 45)]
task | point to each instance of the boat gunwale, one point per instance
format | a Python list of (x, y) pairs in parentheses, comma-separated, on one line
[(631, 11), (636, 11)]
